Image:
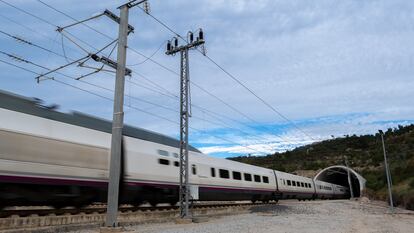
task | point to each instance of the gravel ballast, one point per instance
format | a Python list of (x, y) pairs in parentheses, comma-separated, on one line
[(295, 216)]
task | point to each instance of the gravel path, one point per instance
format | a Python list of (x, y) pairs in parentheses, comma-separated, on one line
[(293, 216)]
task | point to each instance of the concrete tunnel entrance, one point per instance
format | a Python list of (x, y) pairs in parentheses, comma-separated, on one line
[(339, 175)]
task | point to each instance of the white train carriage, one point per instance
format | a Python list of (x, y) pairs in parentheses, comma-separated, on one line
[(62, 159), (294, 187), (324, 190), (340, 191), (221, 179), (53, 158), (213, 179)]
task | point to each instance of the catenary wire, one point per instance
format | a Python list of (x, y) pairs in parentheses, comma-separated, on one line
[(149, 58), (234, 78), (132, 107), (104, 88)]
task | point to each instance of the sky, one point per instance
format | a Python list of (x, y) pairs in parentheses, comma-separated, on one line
[(331, 68)]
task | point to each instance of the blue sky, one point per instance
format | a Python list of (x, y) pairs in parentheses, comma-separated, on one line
[(332, 67)]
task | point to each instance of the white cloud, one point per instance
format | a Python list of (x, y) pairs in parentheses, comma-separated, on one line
[(308, 59)]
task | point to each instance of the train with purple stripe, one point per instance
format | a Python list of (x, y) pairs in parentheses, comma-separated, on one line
[(61, 159)]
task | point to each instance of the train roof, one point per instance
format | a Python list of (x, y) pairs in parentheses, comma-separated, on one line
[(33, 106)]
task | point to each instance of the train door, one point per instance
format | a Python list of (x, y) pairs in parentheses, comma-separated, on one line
[(203, 172)]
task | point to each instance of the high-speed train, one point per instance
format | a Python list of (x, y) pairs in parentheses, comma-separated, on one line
[(59, 159)]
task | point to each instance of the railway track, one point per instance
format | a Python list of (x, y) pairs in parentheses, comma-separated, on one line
[(94, 216), (102, 209), (73, 211)]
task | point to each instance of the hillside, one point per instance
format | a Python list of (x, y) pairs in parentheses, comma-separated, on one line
[(365, 155)]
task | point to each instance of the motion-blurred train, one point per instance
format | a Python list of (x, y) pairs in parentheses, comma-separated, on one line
[(52, 158)]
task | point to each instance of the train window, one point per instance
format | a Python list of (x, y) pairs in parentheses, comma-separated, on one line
[(237, 175), (293, 183), (265, 179), (175, 155), (176, 163), (224, 173), (164, 161), (257, 178), (163, 152), (213, 172), (288, 182), (247, 177), (302, 184), (194, 169), (284, 182)]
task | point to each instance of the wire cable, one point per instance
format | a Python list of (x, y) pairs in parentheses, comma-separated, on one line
[(148, 58), (67, 15), (132, 107), (18, 58), (234, 78)]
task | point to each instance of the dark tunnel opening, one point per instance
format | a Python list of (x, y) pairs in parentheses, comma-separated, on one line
[(339, 176)]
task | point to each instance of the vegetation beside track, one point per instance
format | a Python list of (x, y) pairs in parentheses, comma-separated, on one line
[(365, 155)]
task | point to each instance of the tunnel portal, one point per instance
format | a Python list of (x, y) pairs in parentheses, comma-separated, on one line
[(339, 175)]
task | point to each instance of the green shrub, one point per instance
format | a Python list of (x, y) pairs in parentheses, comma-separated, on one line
[(412, 184)]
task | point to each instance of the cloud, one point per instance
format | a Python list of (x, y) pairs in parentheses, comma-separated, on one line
[(332, 67)]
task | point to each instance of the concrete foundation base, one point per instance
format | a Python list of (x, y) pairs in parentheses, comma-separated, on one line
[(191, 220), (200, 219), (183, 220), (111, 230)]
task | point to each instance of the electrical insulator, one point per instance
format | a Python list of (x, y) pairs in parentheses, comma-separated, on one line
[(95, 57), (169, 46), (191, 37), (200, 35), (146, 7), (176, 42)]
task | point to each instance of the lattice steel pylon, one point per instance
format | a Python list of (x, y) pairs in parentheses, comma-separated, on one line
[(184, 115), (184, 192)]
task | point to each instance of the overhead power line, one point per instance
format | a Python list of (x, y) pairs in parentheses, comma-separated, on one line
[(53, 40), (46, 21), (258, 97), (164, 67), (67, 15), (28, 13), (20, 59), (235, 79), (132, 107), (147, 58)]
